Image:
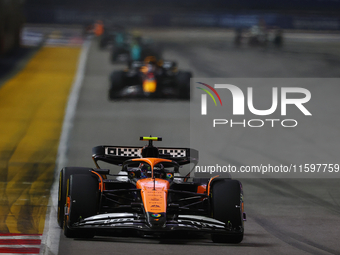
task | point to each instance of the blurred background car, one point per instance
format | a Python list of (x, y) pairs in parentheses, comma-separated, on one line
[(150, 78), (133, 47)]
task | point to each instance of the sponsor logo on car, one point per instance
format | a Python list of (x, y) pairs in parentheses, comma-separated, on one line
[(156, 215)]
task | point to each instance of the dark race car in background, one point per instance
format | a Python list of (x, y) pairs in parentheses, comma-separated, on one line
[(150, 79), (132, 47), (113, 36), (148, 195)]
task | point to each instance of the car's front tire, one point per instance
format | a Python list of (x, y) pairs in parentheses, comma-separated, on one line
[(183, 79), (116, 84), (226, 206), (64, 175), (83, 195)]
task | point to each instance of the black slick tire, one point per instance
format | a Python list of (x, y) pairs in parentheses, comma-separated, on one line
[(183, 79), (226, 195), (64, 175), (83, 194), (116, 84)]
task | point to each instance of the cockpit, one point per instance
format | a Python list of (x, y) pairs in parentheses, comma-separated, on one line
[(141, 169)]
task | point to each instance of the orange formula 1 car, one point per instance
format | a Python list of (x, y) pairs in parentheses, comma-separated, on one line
[(148, 195)]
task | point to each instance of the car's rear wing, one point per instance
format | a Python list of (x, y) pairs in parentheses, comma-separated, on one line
[(118, 154)]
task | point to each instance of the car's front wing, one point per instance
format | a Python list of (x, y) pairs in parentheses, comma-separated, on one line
[(117, 221)]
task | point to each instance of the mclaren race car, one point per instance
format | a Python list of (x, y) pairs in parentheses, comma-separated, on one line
[(150, 79), (148, 195)]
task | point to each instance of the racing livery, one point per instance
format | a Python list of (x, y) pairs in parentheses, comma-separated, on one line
[(129, 46), (148, 195), (150, 79)]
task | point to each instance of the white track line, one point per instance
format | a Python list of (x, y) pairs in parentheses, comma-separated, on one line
[(51, 235), (18, 253), (21, 237), (18, 246)]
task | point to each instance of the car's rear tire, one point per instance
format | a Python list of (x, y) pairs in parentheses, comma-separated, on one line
[(83, 194), (105, 41), (114, 54), (64, 175), (183, 79), (116, 84), (117, 51), (226, 206)]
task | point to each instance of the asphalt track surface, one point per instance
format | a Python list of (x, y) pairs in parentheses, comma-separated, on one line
[(284, 216)]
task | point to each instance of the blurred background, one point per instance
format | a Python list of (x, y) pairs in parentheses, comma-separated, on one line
[(291, 14), (240, 16), (293, 25)]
